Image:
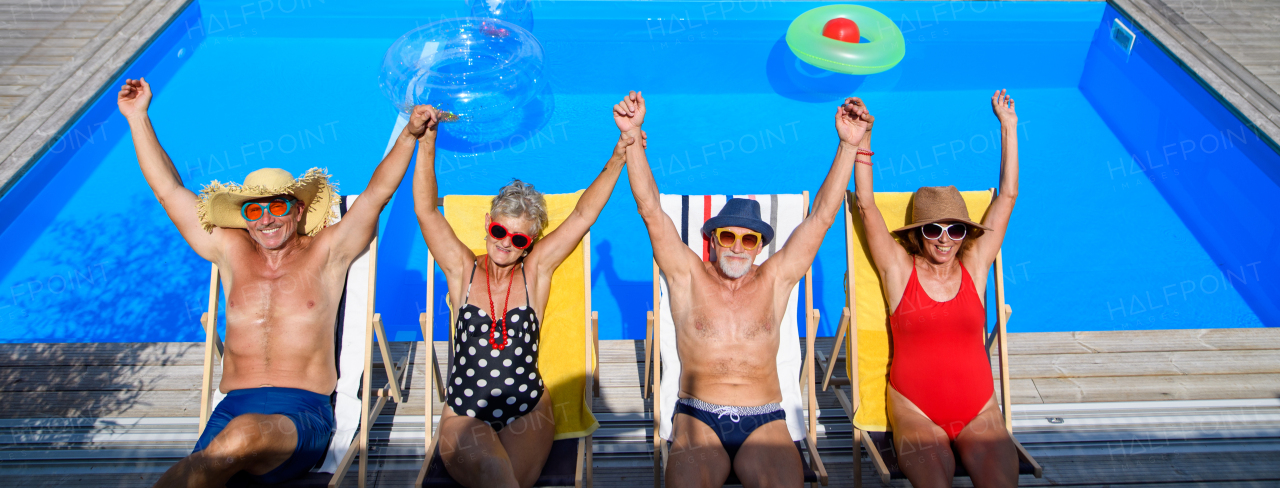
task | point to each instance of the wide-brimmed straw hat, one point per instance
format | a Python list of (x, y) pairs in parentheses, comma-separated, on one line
[(220, 203), (739, 212), (932, 204)]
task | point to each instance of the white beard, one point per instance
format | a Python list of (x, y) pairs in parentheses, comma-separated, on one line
[(733, 270)]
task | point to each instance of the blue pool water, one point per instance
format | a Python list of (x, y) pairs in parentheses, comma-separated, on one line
[(1145, 203)]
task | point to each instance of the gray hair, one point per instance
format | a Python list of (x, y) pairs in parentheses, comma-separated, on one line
[(518, 199)]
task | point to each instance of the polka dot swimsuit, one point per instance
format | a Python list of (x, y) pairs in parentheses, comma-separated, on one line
[(496, 386)]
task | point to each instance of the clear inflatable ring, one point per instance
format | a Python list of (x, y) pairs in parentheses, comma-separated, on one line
[(473, 69)]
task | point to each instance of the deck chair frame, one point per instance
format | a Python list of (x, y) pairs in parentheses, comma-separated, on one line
[(847, 329), (652, 382), (213, 352), (436, 381)]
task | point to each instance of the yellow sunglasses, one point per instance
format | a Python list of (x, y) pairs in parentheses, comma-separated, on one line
[(728, 238)]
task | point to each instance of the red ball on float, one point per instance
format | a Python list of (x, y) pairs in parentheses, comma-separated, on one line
[(841, 29)]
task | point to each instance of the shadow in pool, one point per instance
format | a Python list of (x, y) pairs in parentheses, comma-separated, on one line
[(800, 81), (140, 282), (634, 297)]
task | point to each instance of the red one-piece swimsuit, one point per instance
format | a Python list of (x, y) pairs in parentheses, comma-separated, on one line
[(939, 362)]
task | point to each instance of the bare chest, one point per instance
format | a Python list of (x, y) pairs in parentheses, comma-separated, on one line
[(719, 314), (298, 289)]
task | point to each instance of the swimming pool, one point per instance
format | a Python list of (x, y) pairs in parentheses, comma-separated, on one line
[(1144, 201)]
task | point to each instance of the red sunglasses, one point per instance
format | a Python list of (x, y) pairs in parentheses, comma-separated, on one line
[(498, 232)]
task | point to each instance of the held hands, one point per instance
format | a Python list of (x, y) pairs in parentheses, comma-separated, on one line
[(853, 121), (423, 122), (629, 113), (625, 140), (1002, 105), (134, 98)]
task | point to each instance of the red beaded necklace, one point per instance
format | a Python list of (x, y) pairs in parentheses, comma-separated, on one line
[(498, 340)]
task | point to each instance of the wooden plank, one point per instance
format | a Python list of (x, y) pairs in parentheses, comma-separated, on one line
[(209, 321), (1145, 364), (16, 90), (30, 70), (1022, 391), (103, 353), (1143, 341), (622, 352), (25, 42), (366, 385), (1148, 388), (52, 51), (20, 80), (101, 378), (61, 404), (55, 25)]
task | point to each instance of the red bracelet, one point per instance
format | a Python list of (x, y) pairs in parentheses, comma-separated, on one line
[(868, 163), (866, 152)]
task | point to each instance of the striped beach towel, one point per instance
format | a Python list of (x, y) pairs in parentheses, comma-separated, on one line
[(689, 212)]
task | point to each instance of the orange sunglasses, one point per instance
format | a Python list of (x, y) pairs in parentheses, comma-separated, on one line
[(728, 238)]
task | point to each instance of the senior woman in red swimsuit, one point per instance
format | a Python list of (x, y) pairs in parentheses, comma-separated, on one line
[(940, 397)]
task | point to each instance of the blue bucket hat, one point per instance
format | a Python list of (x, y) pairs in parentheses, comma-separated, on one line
[(739, 212)]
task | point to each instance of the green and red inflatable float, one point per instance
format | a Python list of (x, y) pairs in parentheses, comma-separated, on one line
[(828, 37)]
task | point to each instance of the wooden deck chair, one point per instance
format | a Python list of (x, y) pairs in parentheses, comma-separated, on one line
[(355, 365), (867, 353), (567, 356), (689, 212)]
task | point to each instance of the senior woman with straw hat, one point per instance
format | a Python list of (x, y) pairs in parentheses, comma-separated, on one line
[(283, 264), (940, 394)]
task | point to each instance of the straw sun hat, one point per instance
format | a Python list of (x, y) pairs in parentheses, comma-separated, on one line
[(220, 203), (932, 204)]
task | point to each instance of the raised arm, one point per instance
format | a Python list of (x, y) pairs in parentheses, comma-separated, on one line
[(852, 124), (552, 249), (998, 214), (888, 256), (354, 232), (449, 251), (673, 256), (179, 202)]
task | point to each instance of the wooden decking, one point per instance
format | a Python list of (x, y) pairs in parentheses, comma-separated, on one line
[(1247, 30), (1133, 407), (54, 56), (41, 37)]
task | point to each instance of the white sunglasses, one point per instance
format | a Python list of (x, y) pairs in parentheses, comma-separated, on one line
[(937, 229)]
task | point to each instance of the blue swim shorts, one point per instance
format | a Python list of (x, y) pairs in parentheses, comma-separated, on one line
[(311, 413)]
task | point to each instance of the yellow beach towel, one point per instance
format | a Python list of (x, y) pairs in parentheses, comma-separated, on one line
[(871, 307), (562, 358)]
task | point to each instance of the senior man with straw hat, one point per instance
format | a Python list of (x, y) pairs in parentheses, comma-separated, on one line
[(283, 267), (224, 204)]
